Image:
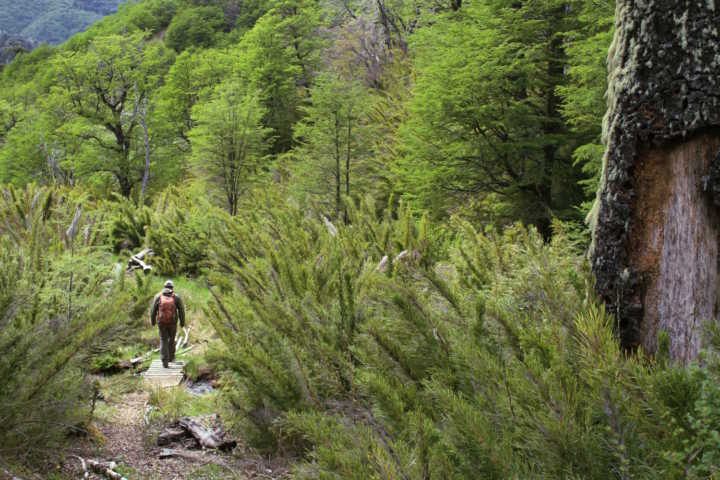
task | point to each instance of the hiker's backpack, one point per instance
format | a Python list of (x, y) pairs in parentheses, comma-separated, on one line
[(166, 310)]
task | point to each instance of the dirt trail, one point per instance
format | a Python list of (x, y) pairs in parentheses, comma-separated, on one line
[(119, 431), (121, 435)]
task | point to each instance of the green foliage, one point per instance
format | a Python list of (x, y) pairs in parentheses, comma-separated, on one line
[(153, 15), (52, 280), (102, 93), (229, 140), (128, 225), (584, 95), (176, 227), (491, 362), (179, 233), (333, 158), (485, 119), (281, 55), (369, 339), (194, 27)]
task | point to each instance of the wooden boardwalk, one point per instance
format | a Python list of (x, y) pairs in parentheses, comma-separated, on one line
[(159, 376)]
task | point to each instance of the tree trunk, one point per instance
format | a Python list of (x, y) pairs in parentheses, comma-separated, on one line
[(674, 244), (146, 141), (338, 173), (348, 153), (655, 226)]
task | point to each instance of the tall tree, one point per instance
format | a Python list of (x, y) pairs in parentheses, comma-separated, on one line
[(229, 140), (333, 144), (485, 117), (282, 53), (191, 79), (657, 223), (584, 101), (101, 90)]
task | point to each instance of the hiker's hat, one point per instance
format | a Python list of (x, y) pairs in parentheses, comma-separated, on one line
[(169, 284)]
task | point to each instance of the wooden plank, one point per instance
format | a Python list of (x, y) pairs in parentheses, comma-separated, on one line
[(157, 375)]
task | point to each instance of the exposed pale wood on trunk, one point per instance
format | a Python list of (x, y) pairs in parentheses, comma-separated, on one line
[(674, 246), (654, 251)]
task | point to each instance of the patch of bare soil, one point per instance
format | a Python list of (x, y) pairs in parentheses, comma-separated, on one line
[(122, 436)]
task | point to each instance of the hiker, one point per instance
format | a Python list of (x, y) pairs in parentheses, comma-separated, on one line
[(167, 309)]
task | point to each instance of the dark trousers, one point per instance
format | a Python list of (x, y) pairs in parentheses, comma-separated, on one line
[(167, 342)]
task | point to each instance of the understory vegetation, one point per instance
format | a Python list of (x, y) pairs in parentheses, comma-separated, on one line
[(383, 205)]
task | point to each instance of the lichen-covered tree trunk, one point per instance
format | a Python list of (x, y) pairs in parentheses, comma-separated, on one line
[(656, 223)]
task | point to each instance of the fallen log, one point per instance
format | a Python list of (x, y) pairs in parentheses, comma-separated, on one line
[(137, 261), (170, 435), (206, 437), (142, 358), (127, 364), (83, 464), (184, 351)]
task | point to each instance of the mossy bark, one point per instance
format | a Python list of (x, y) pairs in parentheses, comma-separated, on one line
[(655, 224)]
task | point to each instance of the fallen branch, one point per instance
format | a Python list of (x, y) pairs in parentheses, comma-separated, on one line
[(142, 358), (103, 468), (84, 466), (182, 341), (170, 453), (146, 415), (183, 352), (189, 428), (127, 364)]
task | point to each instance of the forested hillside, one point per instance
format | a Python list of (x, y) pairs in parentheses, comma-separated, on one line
[(52, 21), (378, 208)]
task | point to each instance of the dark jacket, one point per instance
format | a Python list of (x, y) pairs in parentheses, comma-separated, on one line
[(179, 308)]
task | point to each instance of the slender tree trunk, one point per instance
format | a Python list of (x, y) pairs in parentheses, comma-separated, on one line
[(553, 123), (347, 164), (146, 140), (656, 226), (338, 172)]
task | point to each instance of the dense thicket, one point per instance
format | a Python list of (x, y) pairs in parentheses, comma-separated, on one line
[(55, 282), (378, 351), (385, 199)]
